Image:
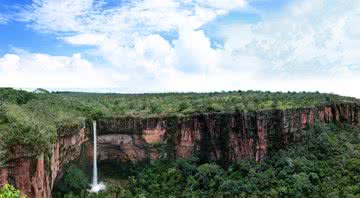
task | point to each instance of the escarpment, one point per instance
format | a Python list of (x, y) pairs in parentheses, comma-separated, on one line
[(221, 137), (35, 176)]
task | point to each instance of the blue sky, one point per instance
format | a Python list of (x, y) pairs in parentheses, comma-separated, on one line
[(188, 45)]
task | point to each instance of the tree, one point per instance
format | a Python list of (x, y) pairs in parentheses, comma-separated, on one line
[(231, 187), (2, 109), (208, 175), (74, 180), (183, 106)]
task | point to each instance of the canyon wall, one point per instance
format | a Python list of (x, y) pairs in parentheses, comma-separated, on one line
[(35, 176), (222, 137)]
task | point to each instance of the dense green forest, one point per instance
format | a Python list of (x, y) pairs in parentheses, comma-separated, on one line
[(326, 164), (33, 118), (188, 103)]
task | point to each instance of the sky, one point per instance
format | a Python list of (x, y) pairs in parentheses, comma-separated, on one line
[(137, 46)]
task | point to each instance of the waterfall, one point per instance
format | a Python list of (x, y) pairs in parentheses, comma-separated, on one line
[(95, 179), (95, 186)]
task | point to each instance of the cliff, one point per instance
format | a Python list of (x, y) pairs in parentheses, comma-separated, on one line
[(222, 137), (35, 175)]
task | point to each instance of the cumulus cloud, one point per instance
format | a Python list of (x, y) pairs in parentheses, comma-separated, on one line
[(29, 70), (129, 36), (85, 39), (309, 45), (310, 36), (85, 16), (194, 52)]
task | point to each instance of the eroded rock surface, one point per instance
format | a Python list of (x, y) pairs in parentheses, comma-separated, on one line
[(35, 175), (224, 137)]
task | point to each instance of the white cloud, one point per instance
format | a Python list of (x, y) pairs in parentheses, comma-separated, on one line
[(84, 16), (9, 63), (310, 45), (310, 39), (121, 33), (29, 70), (128, 36), (85, 39), (194, 52), (223, 5), (58, 15)]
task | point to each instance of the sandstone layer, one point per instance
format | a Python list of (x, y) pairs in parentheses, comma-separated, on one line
[(222, 137), (35, 176)]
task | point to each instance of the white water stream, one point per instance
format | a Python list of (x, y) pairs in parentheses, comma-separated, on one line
[(95, 186)]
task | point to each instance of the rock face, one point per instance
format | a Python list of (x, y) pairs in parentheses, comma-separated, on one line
[(34, 176), (129, 139), (222, 137)]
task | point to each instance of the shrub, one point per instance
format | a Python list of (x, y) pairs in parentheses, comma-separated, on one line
[(8, 191), (73, 181)]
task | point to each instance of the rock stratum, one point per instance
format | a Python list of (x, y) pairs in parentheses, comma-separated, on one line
[(221, 137)]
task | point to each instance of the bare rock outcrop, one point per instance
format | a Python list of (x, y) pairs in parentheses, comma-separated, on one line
[(224, 137), (35, 176)]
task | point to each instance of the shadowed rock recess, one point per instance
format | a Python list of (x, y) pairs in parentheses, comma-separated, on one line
[(221, 137)]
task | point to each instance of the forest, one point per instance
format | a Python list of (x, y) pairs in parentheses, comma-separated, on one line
[(325, 165)]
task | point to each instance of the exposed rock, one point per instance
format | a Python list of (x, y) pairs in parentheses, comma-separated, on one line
[(32, 176), (154, 135), (224, 137), (40, 183), (186, 138)]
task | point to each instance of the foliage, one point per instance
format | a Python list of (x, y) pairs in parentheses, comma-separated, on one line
[(73, 183), (24, 128), (15, 96), (188, 103), (8, 191), (33, 120)]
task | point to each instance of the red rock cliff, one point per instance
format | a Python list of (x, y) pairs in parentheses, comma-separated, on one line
[(224, 137), (35, 175)]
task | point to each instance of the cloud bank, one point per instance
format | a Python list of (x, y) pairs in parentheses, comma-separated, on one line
[(161, 45)]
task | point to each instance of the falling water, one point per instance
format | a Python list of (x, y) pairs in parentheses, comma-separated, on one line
[(94, 180), (95, 186)]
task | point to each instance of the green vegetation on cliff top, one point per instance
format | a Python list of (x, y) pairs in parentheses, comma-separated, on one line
[(32, 118)]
